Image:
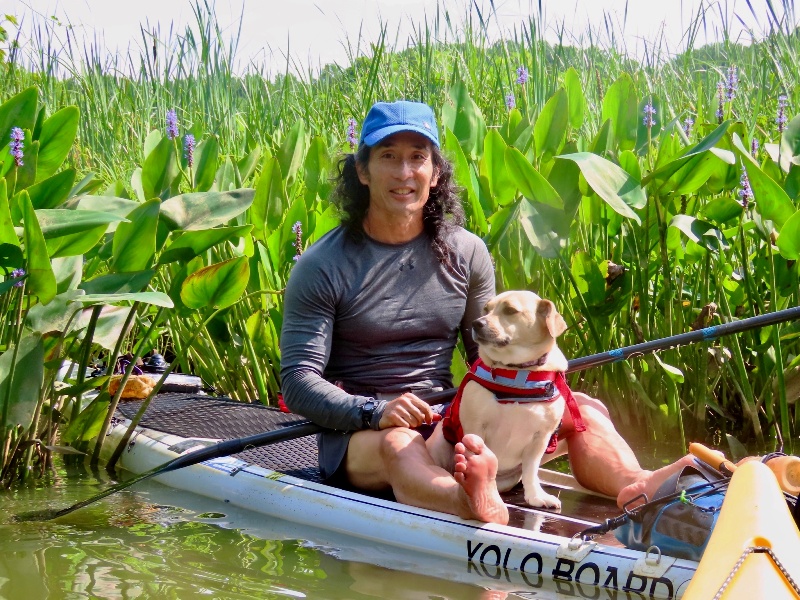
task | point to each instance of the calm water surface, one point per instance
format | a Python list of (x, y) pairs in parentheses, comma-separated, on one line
[(155, 542)]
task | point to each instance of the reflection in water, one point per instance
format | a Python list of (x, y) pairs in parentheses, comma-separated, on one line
[(125, 548)]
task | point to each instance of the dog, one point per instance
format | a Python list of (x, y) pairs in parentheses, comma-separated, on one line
[(514, 396)]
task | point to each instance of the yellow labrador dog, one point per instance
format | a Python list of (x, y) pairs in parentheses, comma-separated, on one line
[(514, 396)]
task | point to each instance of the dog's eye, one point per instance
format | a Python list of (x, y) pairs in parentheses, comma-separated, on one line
[(509, 310)]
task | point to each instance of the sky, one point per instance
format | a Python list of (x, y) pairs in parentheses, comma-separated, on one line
[(317, 32)]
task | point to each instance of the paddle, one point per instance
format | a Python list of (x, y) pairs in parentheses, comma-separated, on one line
[(219, 450), (302, 429)]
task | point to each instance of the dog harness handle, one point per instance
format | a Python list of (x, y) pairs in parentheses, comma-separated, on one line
[(513, 386)]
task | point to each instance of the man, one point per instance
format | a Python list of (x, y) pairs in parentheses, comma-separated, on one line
[(372, 314)]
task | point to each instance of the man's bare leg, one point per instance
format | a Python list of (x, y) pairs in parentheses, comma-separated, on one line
[(398, 458), (603, 461)]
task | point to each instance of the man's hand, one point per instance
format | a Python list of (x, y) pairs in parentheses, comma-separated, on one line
[(407, 411)]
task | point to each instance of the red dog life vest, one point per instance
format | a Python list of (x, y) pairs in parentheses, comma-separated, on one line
[(513, 385)]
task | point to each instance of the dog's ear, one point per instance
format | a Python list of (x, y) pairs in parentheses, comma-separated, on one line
[(547, 314)]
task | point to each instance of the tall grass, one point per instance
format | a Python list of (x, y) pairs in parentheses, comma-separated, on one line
[(123, 98)]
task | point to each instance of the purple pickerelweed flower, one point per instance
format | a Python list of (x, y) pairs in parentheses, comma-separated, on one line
[(18, 273), (754, 147), (781, 120), (511, 101), (188, 149), (745, 191), (522, 75), (720, 114), (172, 124), (688, 124), (731, 83), (649, 112), (297, 230), (16, 145), (352, 138)]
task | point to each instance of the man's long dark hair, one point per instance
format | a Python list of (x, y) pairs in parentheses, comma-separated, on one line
[(441, 212)]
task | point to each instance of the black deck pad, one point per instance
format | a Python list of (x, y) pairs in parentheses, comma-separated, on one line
[(201, 416)]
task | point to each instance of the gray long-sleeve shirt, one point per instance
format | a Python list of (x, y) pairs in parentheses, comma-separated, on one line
[(377, 318)]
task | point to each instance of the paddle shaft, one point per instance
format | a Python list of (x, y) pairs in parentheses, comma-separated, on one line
[(682, 339)]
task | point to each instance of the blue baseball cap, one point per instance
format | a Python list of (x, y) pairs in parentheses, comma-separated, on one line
[(386, 118)]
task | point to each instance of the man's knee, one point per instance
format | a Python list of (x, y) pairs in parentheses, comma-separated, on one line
[(588, 403), (396, 440)]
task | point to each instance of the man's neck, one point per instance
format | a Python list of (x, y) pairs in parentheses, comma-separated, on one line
[(392, 230)]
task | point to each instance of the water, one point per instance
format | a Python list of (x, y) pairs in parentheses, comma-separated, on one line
[(154, 542), (158, 543)]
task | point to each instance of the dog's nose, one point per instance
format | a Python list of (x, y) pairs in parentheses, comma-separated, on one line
[(479, 324)]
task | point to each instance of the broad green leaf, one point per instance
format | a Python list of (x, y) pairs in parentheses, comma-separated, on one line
[(673, 373), (590, 280), (462, 116), (315, 168), (152, 140), (551, 125), (21, 380), (292, 152), (256, 327), (8, 234), (89, 421), (53, 191), (68, 272), (26, 174), (619, 105), (789, 150), (789, 238), (154, 298), (564, 178), (118, 283), (160, 169), (575, 97), (226, 176), (248, 163), (493, 163), (204, 210), (463, 176), (58, 135), (546, 227), (134, 244), (75, 244), (604, 139), (189, 244), (702, 233), (18, 111), (41, 280), (694, 173), (56, 315), (722, 210), (219, 285), (57, 222), (121, 207), (529, 181), (206, 156), (328, 220), (772, 203), (621, 191), (269, 200), (704, 145)]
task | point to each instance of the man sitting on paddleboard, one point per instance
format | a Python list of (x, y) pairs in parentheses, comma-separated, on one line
[(372, 314)]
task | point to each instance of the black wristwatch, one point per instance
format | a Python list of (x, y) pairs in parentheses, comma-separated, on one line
[(367, 410)]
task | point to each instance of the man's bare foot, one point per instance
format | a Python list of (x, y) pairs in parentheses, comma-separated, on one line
[(475, 472), (649, 481)]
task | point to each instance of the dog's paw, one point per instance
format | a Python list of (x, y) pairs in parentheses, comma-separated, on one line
[(544, 500)]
